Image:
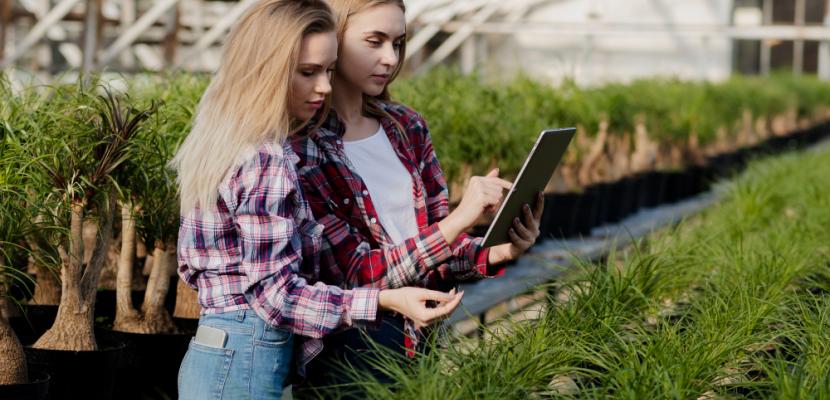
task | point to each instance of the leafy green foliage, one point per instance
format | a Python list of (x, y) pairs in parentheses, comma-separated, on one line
[(478, 124), (733, 303)]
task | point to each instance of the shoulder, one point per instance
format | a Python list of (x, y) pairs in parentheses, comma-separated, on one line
[(404, 115), (267, 159), (306, 148), (263, 172), (413, 123)]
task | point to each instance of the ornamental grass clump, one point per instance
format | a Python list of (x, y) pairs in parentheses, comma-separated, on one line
[(731, 303)]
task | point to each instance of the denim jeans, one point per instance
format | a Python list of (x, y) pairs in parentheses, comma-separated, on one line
[(352, 347), (254, 364)]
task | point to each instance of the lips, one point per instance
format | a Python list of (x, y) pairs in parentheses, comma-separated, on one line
[(315, 104), (380, 78)]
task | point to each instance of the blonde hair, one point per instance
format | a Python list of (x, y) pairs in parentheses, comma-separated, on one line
[(247, 101), (343, 9)]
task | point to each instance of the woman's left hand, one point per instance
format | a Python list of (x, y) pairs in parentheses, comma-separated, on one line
[(522, 234)]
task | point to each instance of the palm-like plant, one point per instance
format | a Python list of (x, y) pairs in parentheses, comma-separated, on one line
[(13, 369), (83, 142), (13, 221), (16, 223), (150, 209)]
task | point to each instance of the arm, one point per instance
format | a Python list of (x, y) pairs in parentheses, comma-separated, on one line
[(354, 259), (470, 259), (350, 253), (260, 199)]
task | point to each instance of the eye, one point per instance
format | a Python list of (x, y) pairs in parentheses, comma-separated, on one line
[(397, 45), (307, 73), (374, 43)]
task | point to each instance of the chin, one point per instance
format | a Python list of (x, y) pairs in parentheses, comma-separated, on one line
[(303, 116), (373, 90)]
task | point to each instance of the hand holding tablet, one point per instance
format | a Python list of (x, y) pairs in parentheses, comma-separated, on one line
[(483, 194), (532, 179)]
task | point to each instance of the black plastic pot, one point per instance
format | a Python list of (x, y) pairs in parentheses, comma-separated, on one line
[(595, 196), (629, 194), (619, 197), (674, 191), (652, 189), (105, 301), (78, 374), (36, 389), (585, 215), (547, 215), (150, 362), (718, 165), (35, 321), (559, 215), (743, 157), (702, 178)]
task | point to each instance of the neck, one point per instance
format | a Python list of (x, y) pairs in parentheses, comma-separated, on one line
[(347, 101)]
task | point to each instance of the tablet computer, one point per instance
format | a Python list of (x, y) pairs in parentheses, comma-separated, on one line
[(532, 179)]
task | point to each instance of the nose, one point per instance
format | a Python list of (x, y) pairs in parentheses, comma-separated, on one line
[(323, 84), (389, 58)]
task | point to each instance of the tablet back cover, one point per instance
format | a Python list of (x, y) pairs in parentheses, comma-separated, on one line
[(532, 178)]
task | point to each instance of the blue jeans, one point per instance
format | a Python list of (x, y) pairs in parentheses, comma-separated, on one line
[(253, 365), (352, 347)]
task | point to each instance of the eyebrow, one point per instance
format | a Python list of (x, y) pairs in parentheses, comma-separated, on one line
[(383, 34)]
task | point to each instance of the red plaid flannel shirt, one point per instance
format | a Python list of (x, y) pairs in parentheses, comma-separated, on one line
[(356, 251), (249, 250)]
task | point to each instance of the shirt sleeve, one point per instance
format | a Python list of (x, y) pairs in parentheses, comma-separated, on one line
[(260, 197)]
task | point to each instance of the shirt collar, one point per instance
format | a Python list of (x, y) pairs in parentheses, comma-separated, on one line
[(333, 128)]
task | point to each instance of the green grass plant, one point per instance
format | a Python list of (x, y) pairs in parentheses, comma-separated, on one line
[(734, 303)]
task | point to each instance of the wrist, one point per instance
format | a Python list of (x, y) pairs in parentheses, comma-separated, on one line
[(493, 257), (498, 254), (450, 227), (386, 300)]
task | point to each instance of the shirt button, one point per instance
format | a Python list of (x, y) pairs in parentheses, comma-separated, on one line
[(365, 192), (373, 220), (346, 201)]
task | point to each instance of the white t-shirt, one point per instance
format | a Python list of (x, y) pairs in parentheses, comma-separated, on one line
[(388, 182)]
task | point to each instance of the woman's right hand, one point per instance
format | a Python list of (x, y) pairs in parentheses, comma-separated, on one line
[(411, 302), (483, 193)]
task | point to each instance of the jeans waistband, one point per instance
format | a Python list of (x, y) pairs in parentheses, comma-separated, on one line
[(236, 315)]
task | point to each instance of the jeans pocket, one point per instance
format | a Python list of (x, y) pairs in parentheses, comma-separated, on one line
[(204, 371), (271, 363), (273, 336)]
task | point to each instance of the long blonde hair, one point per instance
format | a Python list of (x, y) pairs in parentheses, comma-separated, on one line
[(343, 9), (247, 101)]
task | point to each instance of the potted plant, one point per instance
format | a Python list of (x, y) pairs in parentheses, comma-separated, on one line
[(16, 381), (84, 141)]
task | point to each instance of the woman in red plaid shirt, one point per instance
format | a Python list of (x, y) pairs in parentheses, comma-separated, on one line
[(373, 181), (246, 230)]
